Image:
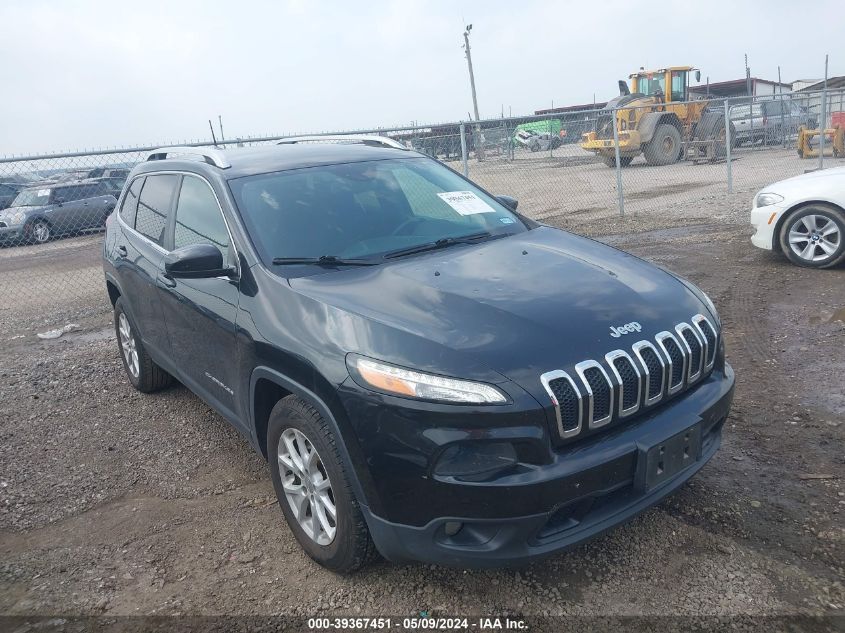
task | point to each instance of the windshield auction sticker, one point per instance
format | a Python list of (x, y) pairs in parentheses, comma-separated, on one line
[(465, 202)]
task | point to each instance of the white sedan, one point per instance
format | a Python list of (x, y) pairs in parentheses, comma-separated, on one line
[(803, 218)]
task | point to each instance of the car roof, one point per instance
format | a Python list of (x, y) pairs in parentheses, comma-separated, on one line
[(248, 161)]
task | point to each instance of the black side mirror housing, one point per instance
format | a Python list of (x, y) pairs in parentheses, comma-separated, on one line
[(59, 201), (509, 202), (196, 261)]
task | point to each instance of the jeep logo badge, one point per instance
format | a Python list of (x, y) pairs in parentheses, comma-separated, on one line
[(633, 326)]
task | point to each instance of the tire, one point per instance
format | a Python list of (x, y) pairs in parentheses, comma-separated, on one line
[(664, 147), (305, 432), (534, 146), (141, 370), (822, 220), (39, 232), (610, 161)]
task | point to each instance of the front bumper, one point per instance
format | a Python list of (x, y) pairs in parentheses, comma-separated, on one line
[(13, 233), (629, 143), (587, 489), (764, 220)]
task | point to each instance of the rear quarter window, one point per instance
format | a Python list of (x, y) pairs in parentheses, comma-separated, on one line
[(154, 206), (129, 207)]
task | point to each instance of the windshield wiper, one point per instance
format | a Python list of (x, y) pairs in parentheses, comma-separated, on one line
[(441, 243), (323, 260)]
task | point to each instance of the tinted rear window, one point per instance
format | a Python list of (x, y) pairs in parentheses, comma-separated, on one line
[(130, 202), (154, 205)]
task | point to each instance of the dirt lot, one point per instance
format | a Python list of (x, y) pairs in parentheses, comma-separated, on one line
[(118, 503)]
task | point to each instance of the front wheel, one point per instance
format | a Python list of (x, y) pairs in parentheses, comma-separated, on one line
[(813, 236), (314, 489), (664, 147), (40, 232)]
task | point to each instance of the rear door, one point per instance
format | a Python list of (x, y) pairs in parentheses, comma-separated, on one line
[(200, 313), (138, 253)]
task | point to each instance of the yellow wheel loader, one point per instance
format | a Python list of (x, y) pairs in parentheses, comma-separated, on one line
[(655, 118)]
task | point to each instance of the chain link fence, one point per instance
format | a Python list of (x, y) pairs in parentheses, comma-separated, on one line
[(660, 165)]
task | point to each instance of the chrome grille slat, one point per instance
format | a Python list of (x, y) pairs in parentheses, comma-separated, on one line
[(613, 358), (666, 341), (710, 338), (693, 368), (641, 351), (622, 383), (581, 369), (548, 379)]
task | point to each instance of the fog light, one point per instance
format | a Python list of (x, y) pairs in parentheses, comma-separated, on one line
[(452, 527), (475, 461)]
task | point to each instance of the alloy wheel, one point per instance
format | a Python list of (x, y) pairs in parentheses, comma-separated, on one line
[(307, 487), (41, 232), (128, 346), (814, 238)]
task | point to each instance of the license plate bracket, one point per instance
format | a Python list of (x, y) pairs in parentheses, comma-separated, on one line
[(666, 459)]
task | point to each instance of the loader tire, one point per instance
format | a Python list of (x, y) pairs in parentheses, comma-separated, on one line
[(711, 126), (664, 147), (610, 161)]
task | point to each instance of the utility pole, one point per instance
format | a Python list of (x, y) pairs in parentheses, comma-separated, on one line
[(471, 75), (747, 76)]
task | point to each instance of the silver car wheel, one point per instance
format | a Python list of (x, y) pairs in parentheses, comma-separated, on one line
[(127, 345), (307, 487), (41, 232), (814, 238)]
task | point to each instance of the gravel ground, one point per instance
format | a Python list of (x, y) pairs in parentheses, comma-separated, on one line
[(112, 502)]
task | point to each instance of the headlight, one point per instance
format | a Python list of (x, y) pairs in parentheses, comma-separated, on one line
[(413, 384), (13, 218), (765, 199)]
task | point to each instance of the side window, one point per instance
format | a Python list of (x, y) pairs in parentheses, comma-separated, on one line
[(130, 202), (62, 194), (154, 205), (198, 217)]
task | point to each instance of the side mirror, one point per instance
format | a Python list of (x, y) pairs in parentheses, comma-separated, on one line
[(697, 76), (196, 261), (59, 201), (510, 203)]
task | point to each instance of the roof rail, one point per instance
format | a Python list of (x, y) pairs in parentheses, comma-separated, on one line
[(209, 155), (366, 139)]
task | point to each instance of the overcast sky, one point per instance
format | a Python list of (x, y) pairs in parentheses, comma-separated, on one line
[(88, 74)]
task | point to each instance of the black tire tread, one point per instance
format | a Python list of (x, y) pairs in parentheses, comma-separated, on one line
[(363, 548), (652, 152), (151, 377)]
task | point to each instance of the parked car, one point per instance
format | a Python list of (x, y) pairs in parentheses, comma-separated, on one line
[(39, 213), (109, 172), (428, 372), (8, 192), (803, 218), (114, 184), (769, 121)]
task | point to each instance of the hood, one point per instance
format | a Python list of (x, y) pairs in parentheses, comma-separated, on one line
[(813, 179), (11, 210), (520, 306)]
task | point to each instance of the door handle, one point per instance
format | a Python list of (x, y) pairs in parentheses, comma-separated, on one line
[(121, 251), (167, 280)]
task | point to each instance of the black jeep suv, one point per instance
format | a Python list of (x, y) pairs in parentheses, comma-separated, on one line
[(426, 371)]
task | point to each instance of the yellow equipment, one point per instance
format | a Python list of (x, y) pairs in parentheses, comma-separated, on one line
[(656, 118), (809, 143)]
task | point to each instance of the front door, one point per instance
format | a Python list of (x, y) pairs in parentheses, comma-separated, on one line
[(200, 313)]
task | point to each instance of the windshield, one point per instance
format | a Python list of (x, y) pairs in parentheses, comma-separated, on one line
[(651, 84), (365, 209), (32, 198)]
